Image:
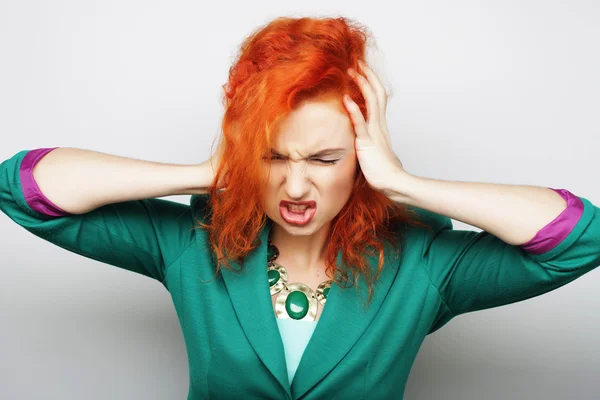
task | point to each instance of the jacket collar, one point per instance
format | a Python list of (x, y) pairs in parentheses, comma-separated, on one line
[(342, 321)]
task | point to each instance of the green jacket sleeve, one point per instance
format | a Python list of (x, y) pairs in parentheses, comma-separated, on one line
[(476, 270), (143, 236)]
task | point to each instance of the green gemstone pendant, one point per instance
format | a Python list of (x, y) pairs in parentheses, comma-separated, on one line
[(273, 276), (296, 301), (277, 276), (323, 291), (296, 304), (272, 252)]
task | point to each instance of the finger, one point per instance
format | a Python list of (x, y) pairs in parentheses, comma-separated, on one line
[(375, 83), (360, 126), (369, 95), (380, 91), (381, 94)]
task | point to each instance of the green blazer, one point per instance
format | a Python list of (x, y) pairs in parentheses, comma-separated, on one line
[(233, 343)]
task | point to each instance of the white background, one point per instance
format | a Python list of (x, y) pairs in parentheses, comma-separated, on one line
[(488, 91)]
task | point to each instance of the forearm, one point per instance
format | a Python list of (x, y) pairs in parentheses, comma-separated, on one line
[(513, 213), (78, 180)]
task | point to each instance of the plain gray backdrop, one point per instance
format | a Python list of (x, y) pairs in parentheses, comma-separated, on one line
[(488, 91)]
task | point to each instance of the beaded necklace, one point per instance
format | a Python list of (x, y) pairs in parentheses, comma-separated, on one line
[(295, 300)]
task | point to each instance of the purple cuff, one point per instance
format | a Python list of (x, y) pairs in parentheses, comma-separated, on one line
[(33, 195), (556, 231)]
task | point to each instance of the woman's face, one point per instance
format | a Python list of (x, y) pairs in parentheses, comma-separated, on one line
[(300, 171)]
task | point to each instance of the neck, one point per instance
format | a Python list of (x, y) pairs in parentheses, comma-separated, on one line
[(305, 252)]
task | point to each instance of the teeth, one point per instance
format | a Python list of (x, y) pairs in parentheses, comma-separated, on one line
[(296, 207)]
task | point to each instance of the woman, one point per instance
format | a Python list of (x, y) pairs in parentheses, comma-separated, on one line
[(278, 227)]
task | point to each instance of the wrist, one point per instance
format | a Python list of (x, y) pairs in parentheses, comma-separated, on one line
[(401, 187), (195, 179)]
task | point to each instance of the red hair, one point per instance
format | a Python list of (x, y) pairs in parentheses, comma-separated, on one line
[(283, 63)]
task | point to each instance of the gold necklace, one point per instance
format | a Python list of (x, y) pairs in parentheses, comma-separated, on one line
[(295, 300)]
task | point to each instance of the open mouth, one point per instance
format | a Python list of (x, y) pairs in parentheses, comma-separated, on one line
[(297, 214)]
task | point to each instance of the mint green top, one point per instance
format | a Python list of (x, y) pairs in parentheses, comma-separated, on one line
[(295, 336), (235, 349)]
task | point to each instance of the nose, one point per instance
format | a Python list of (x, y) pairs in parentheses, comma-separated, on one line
[(296, 183)]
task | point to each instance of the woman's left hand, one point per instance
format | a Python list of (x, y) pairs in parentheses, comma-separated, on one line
[(373, 147)]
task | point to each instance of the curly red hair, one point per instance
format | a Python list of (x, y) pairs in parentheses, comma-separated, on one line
[(281, 64)]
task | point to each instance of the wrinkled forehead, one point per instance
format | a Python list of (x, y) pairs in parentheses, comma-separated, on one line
[(313, 126)]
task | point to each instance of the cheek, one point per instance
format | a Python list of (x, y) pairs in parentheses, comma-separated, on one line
[(340, 179), (271, 196)]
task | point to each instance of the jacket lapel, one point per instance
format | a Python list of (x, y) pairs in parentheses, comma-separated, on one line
[(251, 299), (341, 324)]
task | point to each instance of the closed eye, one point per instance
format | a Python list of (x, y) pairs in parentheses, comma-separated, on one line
[(277, 157), (327, 161)]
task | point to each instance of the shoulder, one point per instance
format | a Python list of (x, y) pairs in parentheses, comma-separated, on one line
[(423, 227), (200, 205), (435, 221)]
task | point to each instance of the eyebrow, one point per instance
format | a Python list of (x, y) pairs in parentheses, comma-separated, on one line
[(318, 153)]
